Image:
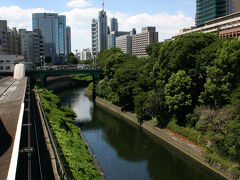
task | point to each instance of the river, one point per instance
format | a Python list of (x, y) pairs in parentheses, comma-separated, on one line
[(125, 152)]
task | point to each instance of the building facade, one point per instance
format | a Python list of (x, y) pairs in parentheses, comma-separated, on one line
[(224, 25), (102, 31), (233, 6), (211, 9), (53, 29), (94, 29), (114, 24), (13, 41), (29, 46), (68, 37), (112, 37), (85, 54), (124, 43), (111, 40), (142, 40), (3, 37), (7, 62)]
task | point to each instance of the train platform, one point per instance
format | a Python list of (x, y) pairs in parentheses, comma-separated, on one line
[(12, 94)]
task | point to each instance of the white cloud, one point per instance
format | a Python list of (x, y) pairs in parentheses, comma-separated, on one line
[(78, 3), (80, 21), (18, 17)]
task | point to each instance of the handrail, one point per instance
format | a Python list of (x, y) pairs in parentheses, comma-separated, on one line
[(60, 167)]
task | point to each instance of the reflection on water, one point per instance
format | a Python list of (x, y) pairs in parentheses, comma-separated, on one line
[(79, 103), (125, 152)]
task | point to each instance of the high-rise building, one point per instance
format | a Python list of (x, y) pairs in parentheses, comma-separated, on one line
[(30, 46), (85, 54), (233, 6), (124, 43), (62, 52), (3, 37), (94, 29), (142, 40), (112, 37), (102, 31), (114, 24), (210, 9), (53, 29), (111, 40), (68, 33), (12, 41)]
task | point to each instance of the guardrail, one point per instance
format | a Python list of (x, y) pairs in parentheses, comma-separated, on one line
[(60, 167)]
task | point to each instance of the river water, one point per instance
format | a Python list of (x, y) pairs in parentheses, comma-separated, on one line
[(125, 152)]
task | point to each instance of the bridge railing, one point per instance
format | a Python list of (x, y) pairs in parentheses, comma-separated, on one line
[(60, 166)]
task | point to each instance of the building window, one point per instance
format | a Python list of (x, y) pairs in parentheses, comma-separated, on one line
[(7, 67), (1, 67)]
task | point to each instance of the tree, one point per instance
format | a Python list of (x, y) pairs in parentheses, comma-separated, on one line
[(72, 59), (223, 75), (104, 55), (178, 93), (48, 59), (158, 108)]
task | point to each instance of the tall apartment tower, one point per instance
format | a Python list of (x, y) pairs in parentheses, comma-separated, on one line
[(142, 40), (114, 24), (94, 28), (102, 31), (3, 37), (68, 37), (210, 9), (53, 29)]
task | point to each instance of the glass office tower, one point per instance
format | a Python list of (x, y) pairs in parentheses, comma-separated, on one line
[(210, 9), (53, 30)]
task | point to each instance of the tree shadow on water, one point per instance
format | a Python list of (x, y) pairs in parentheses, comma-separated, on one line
[(5, 139)]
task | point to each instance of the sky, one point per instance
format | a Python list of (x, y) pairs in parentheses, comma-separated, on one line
[(168, 16)]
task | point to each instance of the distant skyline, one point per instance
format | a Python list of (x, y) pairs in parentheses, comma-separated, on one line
[(167, 16)]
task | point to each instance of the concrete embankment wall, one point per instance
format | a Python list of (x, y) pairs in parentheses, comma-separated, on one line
[(188, 149)]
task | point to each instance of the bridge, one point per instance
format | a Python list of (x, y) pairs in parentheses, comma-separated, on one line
[(44, 72)]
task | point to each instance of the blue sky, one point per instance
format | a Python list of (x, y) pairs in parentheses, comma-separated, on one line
[(167, 16)]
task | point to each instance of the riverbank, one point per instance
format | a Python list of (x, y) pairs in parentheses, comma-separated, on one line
[(73, 151), (179, 142)]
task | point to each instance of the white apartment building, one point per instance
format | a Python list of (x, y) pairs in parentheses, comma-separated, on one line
[(124, 43), (85, 54), (142, 40), (94, 37)]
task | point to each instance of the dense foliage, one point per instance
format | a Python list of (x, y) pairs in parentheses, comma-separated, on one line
[(72, 59), (193, 80), (74, 152)]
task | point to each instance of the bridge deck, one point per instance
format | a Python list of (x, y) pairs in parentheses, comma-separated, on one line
[(12, 93)]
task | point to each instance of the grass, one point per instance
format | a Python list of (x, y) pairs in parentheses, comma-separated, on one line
[(78, 162), (224, 163), (83, 77), (190, 133)]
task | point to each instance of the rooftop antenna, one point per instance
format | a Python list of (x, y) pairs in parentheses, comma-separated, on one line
[(103, 5), (103, 8)]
